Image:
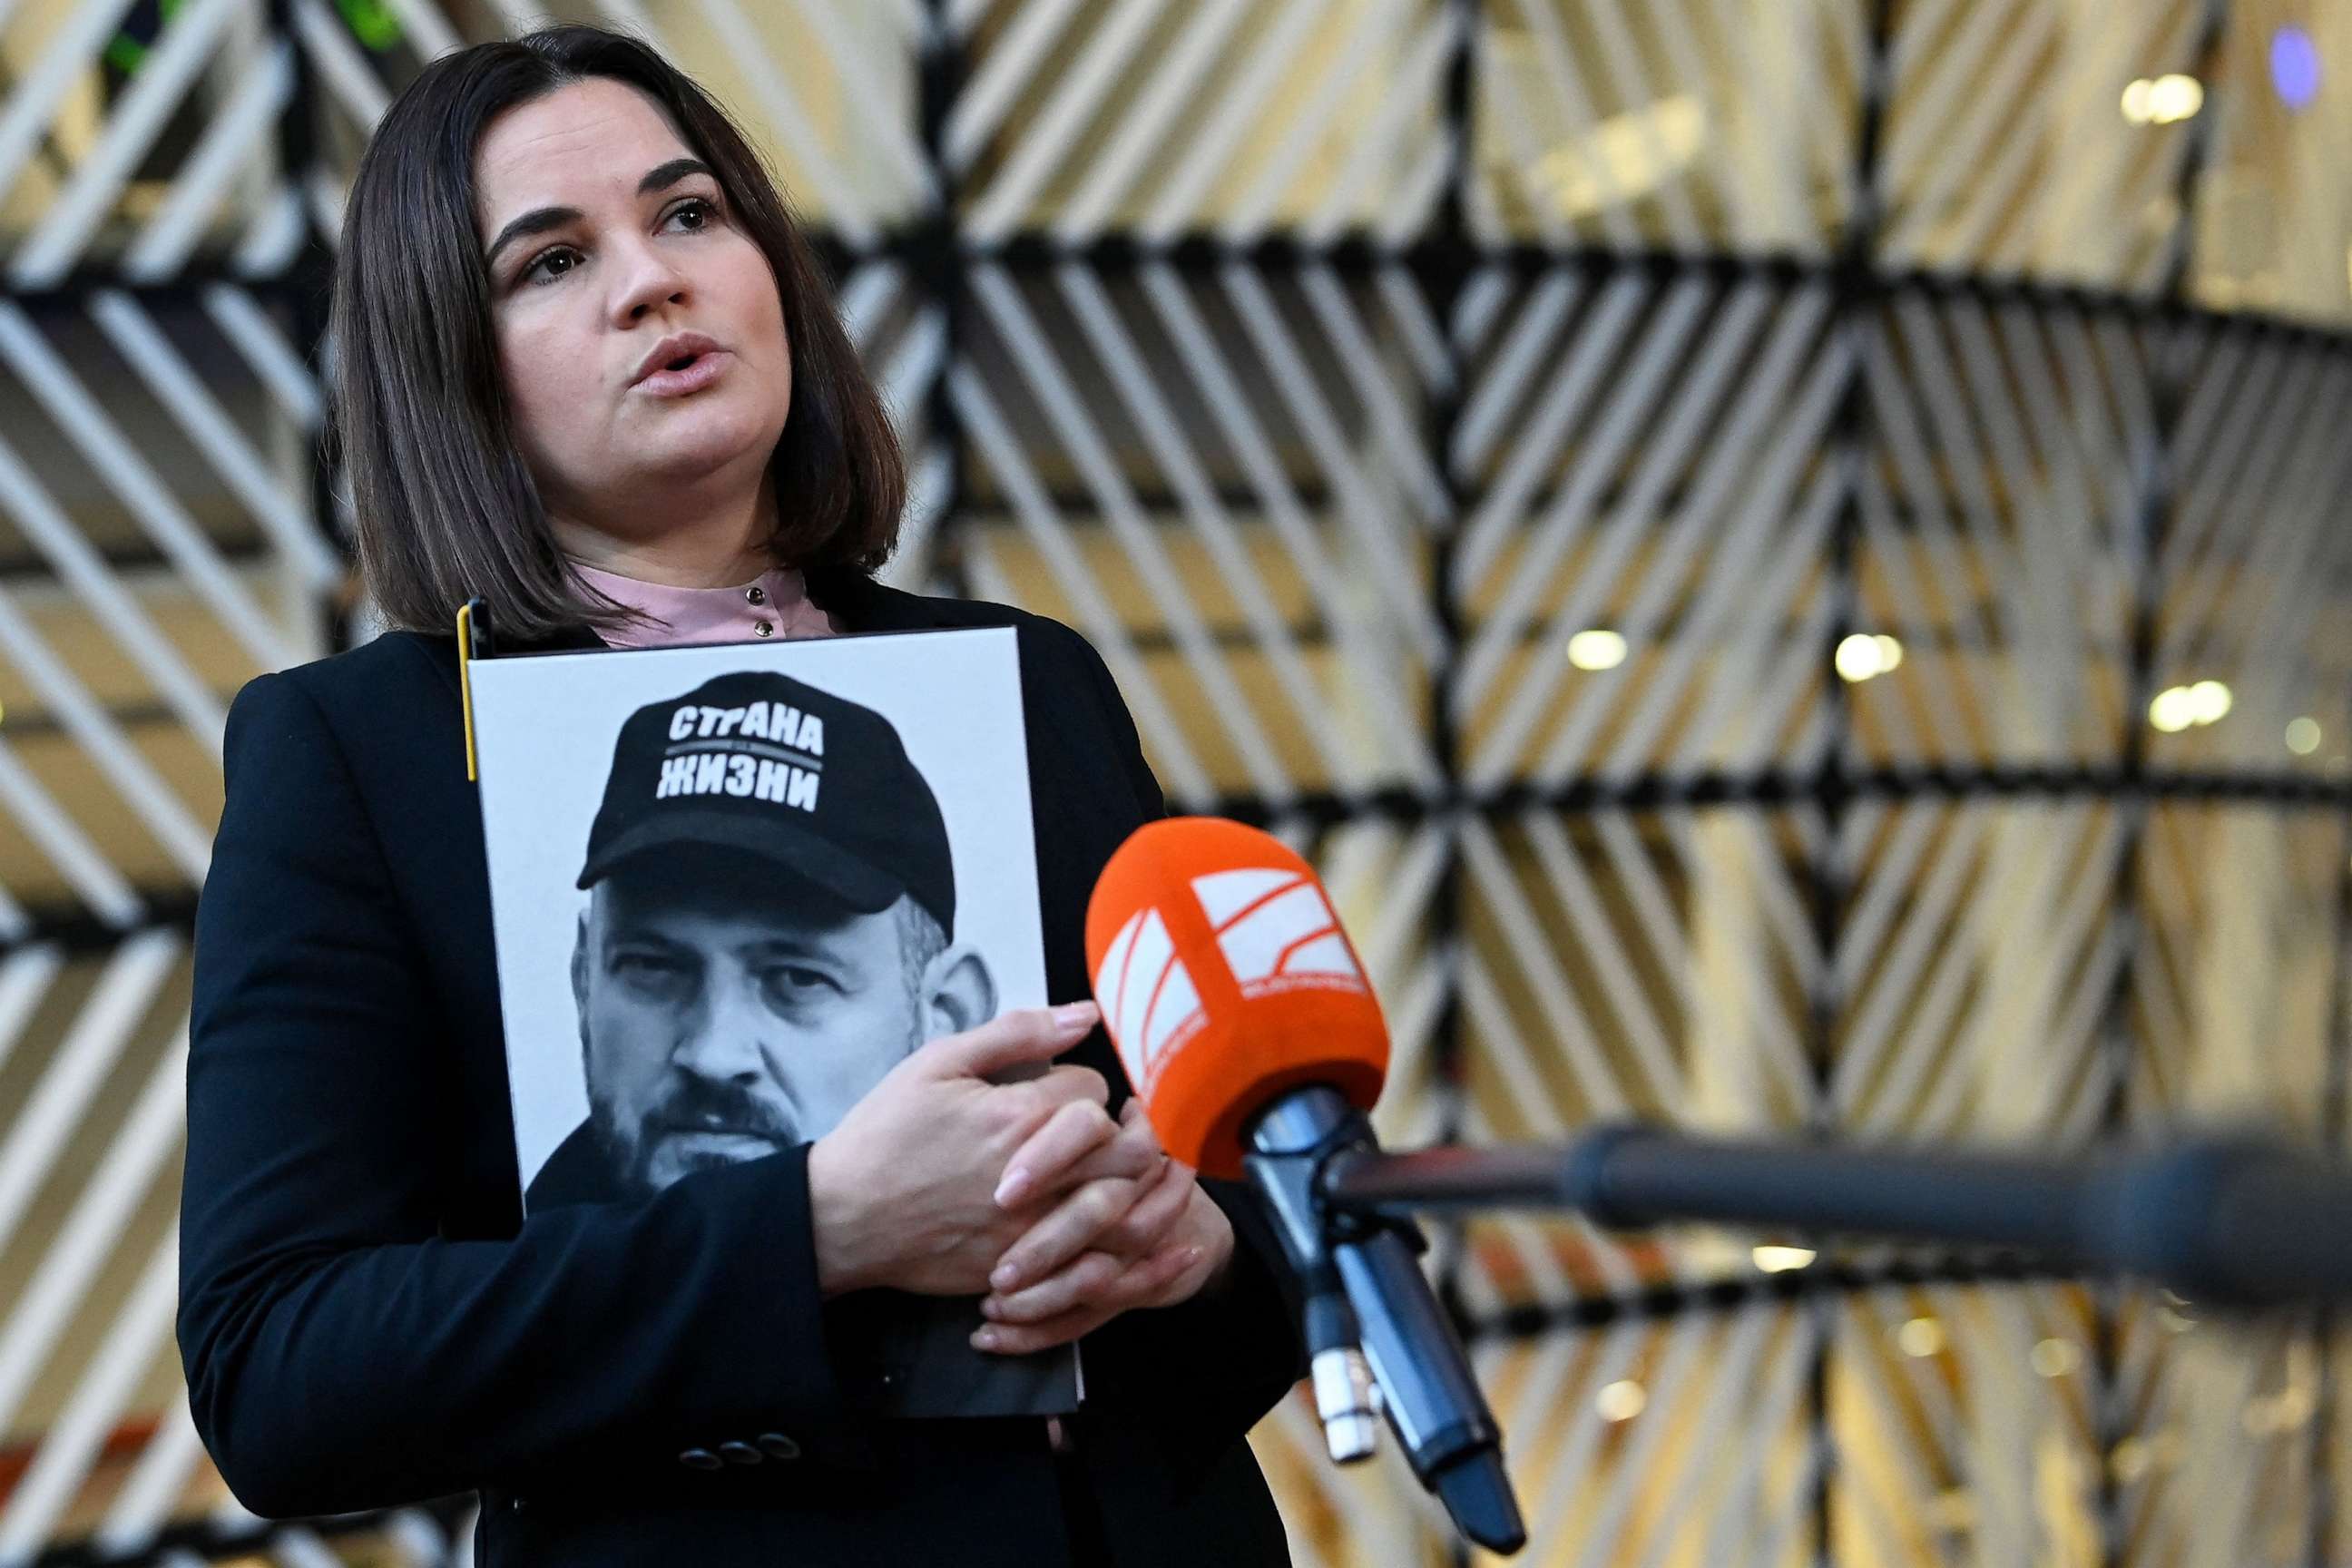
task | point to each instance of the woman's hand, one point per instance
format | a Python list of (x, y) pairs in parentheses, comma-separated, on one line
[(1113, 1243), (900, 1190)]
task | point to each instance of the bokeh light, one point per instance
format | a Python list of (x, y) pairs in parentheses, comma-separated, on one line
[(2294, 67)]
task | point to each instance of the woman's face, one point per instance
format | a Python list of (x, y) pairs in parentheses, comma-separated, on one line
[(604, 235)]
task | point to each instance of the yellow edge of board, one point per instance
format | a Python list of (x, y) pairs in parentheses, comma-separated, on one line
[(465, 685)]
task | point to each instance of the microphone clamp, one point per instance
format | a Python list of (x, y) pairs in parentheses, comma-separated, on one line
[(1369, 1304), (1286, 1155)]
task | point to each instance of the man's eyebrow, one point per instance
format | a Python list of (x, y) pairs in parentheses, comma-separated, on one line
[(807, 945), (539, 220), (626, 933)]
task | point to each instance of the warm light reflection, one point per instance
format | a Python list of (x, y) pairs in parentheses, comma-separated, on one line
[(1623, 157), (2165, 100), (1780, 1259), (2055, 1358), (1596, 650), (2303, 736), (1920, 1338), (2275, 1414), (2177, 707), (1621, 1401), (1864, 655)]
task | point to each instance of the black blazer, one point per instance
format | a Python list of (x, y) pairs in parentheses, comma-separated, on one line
[(365, 1320)]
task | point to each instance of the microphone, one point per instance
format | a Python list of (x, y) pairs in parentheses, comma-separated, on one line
[(1242, 1015), (2230, 1218)]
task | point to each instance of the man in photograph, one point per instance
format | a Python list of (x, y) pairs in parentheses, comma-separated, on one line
[(768, 930)]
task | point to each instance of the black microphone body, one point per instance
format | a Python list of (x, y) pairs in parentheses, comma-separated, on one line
[(2221, 1219), (1433, 1401)]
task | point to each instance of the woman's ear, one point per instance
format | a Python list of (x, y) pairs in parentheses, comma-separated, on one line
[(958, 993)]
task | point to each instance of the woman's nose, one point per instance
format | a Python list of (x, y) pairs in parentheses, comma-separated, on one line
[(650, 279)]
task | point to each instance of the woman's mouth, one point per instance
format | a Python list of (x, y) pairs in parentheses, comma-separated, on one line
[(686, 373)]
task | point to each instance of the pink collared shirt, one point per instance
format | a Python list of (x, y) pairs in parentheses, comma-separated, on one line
[(773, 604)]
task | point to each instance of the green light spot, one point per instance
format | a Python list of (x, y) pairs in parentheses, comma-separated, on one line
[(127, 54), (371, 21)]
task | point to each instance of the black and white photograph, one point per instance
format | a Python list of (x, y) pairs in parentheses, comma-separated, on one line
[(731, 886)]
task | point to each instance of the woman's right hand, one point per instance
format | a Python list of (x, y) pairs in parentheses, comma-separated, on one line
[(902, 1192)]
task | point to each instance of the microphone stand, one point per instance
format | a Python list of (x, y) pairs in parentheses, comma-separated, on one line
[(2229, 1220), (1369, 1310)]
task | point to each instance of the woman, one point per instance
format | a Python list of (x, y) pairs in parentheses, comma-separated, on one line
[(589, 372)]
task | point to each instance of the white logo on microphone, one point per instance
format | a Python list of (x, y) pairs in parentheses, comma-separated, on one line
[(1147, 994), (1278, 930)]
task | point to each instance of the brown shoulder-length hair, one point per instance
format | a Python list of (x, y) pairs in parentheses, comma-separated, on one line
[(446, 509)]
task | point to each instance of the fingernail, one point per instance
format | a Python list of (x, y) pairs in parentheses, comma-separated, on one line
[(1012, 1188), (988, 1307), (984, 1339), (1005, 1277), (1075, 1016)]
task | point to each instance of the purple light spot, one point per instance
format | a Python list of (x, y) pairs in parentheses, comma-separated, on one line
[(2294, 67)]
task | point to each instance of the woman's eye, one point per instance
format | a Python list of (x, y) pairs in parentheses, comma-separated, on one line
[(544, 258), (543, 265)]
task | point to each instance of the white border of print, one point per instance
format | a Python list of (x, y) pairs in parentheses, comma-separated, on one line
[(545, 726)]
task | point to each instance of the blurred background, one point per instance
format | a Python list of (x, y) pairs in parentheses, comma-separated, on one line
[(1776, 553)]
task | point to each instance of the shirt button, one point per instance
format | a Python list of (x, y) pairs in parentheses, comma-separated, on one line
[(701, 1459), (740, 1453), (756, 594), (779, 1446), (762, 629)]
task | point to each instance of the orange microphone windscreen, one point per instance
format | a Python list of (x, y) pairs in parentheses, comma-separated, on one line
[(1224, 980)]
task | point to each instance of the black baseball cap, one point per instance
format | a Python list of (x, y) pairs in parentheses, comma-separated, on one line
[(772, 766)]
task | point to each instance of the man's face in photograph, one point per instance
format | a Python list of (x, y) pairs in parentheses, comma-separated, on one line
[(728, 1010)]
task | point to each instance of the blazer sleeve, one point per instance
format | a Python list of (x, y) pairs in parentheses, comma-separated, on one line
[(1218, 1363), (340, 1352)]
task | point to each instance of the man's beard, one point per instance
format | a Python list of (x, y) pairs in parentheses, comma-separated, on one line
[(629, 1155), (628, 1152)]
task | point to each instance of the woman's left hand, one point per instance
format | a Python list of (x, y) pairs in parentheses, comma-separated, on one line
[(1105, 1247)]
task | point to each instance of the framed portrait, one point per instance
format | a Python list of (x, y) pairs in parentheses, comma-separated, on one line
[(731, 886)]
